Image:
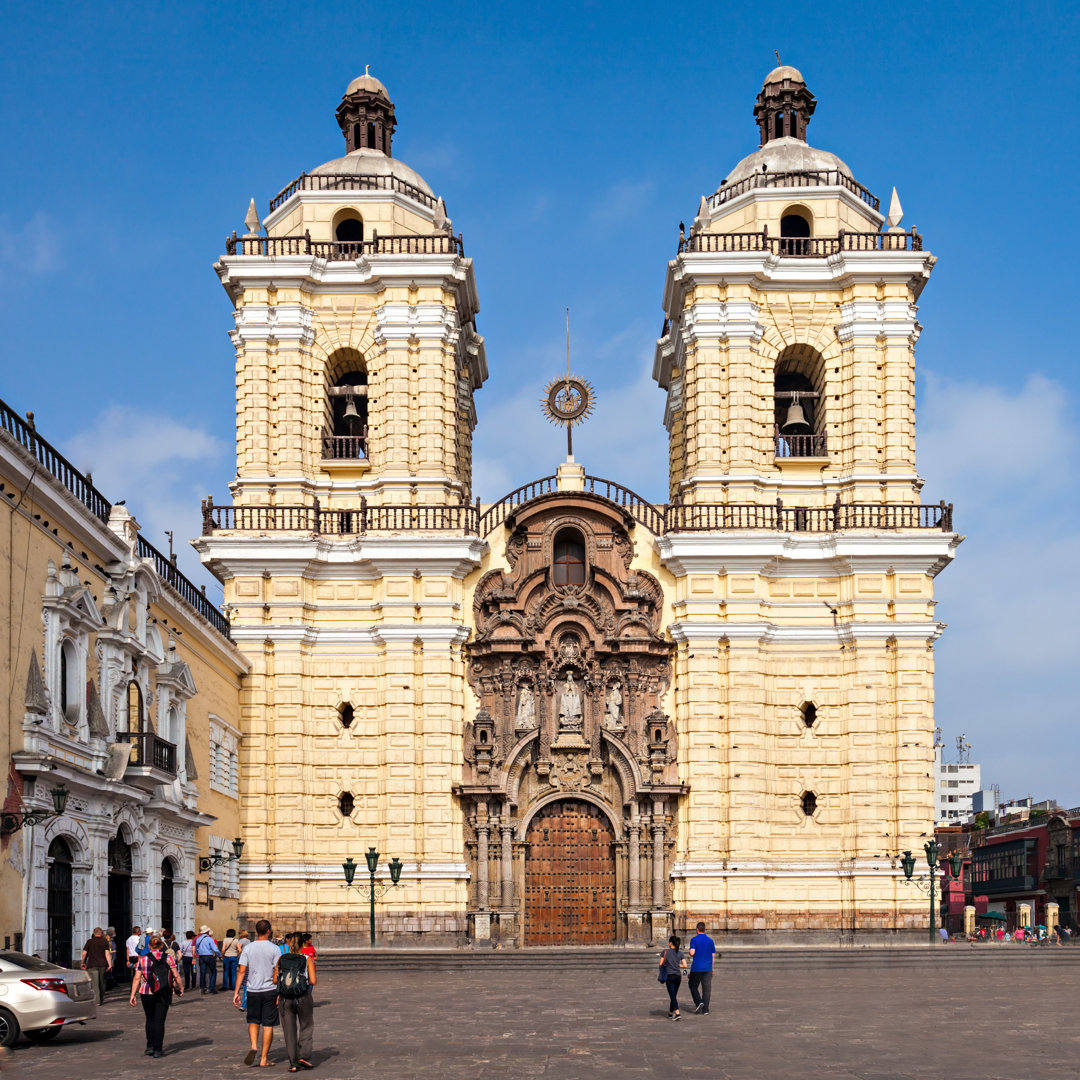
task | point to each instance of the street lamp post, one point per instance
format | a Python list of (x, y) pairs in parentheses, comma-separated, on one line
[(928, 885), (13, 820), (217, 859), (374, 891)]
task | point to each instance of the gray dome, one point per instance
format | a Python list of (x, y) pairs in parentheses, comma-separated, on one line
[(779, 74), (787, 155), (369, 83), (372, 162)]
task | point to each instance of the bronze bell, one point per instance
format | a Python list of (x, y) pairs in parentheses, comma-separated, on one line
[(350, 416), (795, 423)]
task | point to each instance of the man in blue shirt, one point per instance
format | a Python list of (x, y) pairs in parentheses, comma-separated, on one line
[(702, 950), (206, 949)]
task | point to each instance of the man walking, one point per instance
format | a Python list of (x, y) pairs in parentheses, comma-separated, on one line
[(132, 946), (256, 972), (702, 950), (206, 949), (96, 960)]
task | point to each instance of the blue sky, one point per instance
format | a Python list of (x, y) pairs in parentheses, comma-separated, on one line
[(568, 141)]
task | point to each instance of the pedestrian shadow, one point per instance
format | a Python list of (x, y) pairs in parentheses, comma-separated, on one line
[(190, 1044), (327, 1053)]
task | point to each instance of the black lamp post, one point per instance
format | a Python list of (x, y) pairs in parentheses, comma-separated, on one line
[(374, 891), (955, 864), (14, 820), (206, 861)]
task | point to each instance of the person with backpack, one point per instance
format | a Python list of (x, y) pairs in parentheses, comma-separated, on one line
[(295, 976), (230, 959), (155, 977)]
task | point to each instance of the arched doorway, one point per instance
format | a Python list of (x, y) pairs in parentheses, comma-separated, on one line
[(570, 876), (61, 912), (167, 917), (120, 897)]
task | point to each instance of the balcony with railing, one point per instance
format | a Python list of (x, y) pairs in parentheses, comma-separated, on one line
[(345, 448), (152, 760), (344, 250), (1009, 867), (351, 182), (800, 446), (795, 179), (470, 520), (801, 247)]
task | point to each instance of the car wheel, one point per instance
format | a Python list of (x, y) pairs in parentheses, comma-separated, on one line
[(9, 1028), (42, 1035)]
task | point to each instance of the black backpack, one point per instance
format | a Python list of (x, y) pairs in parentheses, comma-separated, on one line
[(160, 978), (292, 977)]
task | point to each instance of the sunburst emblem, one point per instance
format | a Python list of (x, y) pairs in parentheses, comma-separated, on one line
[(568, 400)]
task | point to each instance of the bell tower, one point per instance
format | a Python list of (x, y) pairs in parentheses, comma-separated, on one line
[(803, 560), (351, 530)]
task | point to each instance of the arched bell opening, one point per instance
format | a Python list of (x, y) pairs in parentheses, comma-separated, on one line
[(798, 396), (796, 228), (345, 430)]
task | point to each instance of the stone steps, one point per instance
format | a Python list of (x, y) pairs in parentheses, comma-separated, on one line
[(626, 959)]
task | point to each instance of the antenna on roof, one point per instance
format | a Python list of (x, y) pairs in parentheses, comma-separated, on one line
[(776, 53)]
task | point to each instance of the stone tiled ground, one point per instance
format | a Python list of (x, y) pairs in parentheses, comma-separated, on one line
[(968, 1022)]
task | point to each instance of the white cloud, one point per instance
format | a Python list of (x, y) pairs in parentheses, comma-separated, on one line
[(160, 466), (1005, 666), (33, 247)]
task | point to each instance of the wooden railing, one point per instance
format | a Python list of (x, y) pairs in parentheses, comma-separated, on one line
[(314, 519), (800, 446), (82, 487), (344, 250), (809, 247), (150, 750), (344, 447), (351, 182), (805, 178), (675, 517), (53, 462), (183, 586)]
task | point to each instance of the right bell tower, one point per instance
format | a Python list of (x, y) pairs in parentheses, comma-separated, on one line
[(803, 560)]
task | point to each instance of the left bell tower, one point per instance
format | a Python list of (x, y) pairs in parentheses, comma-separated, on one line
[(356, 348), (352, 530)]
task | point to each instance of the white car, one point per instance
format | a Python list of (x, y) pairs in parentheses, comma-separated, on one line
[(38, 999)]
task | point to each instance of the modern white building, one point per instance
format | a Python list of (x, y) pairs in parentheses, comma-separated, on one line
[(955, 784)]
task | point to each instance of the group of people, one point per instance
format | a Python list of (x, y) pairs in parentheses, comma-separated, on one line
[(702, 953), (271, 979)]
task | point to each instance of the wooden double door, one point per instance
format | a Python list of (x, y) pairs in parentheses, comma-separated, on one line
[(570, 876)]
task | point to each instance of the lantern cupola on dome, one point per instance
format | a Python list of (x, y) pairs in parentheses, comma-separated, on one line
[(366, 115), (784, 106)]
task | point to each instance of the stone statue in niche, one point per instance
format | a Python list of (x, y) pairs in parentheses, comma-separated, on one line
[(614, 706), (525, 717), (571, 714)]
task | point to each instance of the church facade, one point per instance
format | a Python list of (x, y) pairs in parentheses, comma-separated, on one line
[(576, 716)]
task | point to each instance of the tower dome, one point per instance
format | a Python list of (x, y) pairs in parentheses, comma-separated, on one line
[(366, 115), (784, 106)]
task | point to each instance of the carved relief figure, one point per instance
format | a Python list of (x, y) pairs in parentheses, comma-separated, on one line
[(526, 708), (614, 705), (570, 707)]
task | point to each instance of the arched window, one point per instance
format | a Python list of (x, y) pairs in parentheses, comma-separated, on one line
[(61, 912), (134, 707), (70, 698), (795, 233), (347, 435), (809, 713), (779, 132), (809, 803), (349, 230), (569, 564), (371, 135), (356, 136)]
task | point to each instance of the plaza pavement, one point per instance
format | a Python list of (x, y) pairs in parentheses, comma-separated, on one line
[(872, 1021)]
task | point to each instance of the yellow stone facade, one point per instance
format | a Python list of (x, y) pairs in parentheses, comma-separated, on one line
[(755, 724), (122, 690)]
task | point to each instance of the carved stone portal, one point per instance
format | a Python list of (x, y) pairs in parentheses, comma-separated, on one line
[(570, 667)]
